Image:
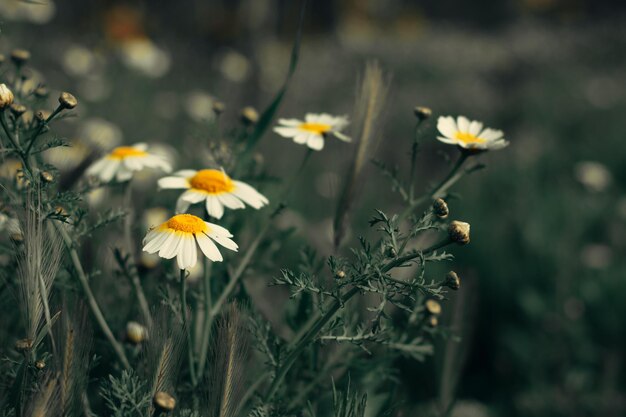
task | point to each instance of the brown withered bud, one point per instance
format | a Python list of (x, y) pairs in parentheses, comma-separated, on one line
[(422, 113), (16, 237), (6, 96), (40, 365), (459, 232), (17, 110), (452, 281), (20, 56), (218, 107), (135, 332), (433, 307), (164, 401), (46, 176), (23, 345), (340, 274), (249, 116), (440, 208), (67, 100)]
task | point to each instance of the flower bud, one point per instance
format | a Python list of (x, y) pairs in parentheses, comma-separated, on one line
[(433, 307), (218, 107), (40, 365), (41, 92), (249, 116), (46, 176), (23, 345), (340, 274), (20, 56), (452, 281), (1, 59), (459, 232), (422, 113), (67, 100), (135, 332), (391, 252), (6, 96), (432, 321), (440, 208), (164, 401), (17, 110)]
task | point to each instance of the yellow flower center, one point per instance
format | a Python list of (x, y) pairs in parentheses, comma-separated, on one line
[(187, 223), (319, 128), (212, 181), (468, 138), (125, 152)]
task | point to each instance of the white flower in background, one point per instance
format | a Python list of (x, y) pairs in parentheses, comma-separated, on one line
[(122, 161), (39, 12), (199, 106), (469, 134), (593, 175), (79, 61), (143, 55), (313, 130), (214, 187), (234, 66), (181, 235), (100, 133)]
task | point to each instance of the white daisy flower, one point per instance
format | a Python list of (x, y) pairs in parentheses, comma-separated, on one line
[(214, 187), (122, 161), (313, 130), (181, 235), (469, 134)]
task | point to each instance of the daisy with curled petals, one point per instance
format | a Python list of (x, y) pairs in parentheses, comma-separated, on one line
[(469, 134), (122, 161), (181, 235), (214, 187), (313, 130)]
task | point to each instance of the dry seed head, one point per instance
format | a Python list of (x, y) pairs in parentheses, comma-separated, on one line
[(6, 96), (40, 365), (440, 208), (17, 110), (459, 232), (164, 401), (249, 116), (433, 307), (47, 176), (422, 113), (135, 332), (218, 107), (23, 345), (452, 281), (20, 56), (67, 100)]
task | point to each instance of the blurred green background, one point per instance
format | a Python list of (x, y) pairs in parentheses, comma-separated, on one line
[(543, 280)]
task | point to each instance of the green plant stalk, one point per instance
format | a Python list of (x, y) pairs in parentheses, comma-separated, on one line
[(183, 306), (93, 304), (206, 329), (128, 240), (414, 152), (18, 149), (46, 308), (40, 128)]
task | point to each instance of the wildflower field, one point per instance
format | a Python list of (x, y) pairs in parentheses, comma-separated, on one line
[(347, 209)]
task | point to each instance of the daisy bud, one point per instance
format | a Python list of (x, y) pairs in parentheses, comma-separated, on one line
[(432, 321), (40, 365), (218, 107), (20, 56), (17, 110), (452, 281), (41, 92), (249, 116), (1, 59), (459, 232), (164, 402), (6, 96), (340, 274), (135, 332), (67, 100), (433, 307), (46, 176), (391, 252), (23, 345), (440, 208), (422, 113)]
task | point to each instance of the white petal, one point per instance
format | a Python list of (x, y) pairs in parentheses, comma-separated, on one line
[(155, 243), (109, 170), (448, 140), (208, 248), (218, 230), (315, 142), (169, 248), (342, 137), (463, 124), (123, 174), (186, 173), (188, 253), (249, 195), (173, 182), (135, 163), (301, 138), (312, 118), (214, 207), (224, 241), (141, 146), (447, 126), (475, 127), (193, 196), (290, 122), (231, 201), (287, 132), (97, 166), (182, 205), (491, 134)]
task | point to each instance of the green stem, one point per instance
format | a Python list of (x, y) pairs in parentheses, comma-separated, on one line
[(33, 139), (414, 152), (403, 259), (206, 330), (128, 241), (183, 304), (93, 304), (18, 149)]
